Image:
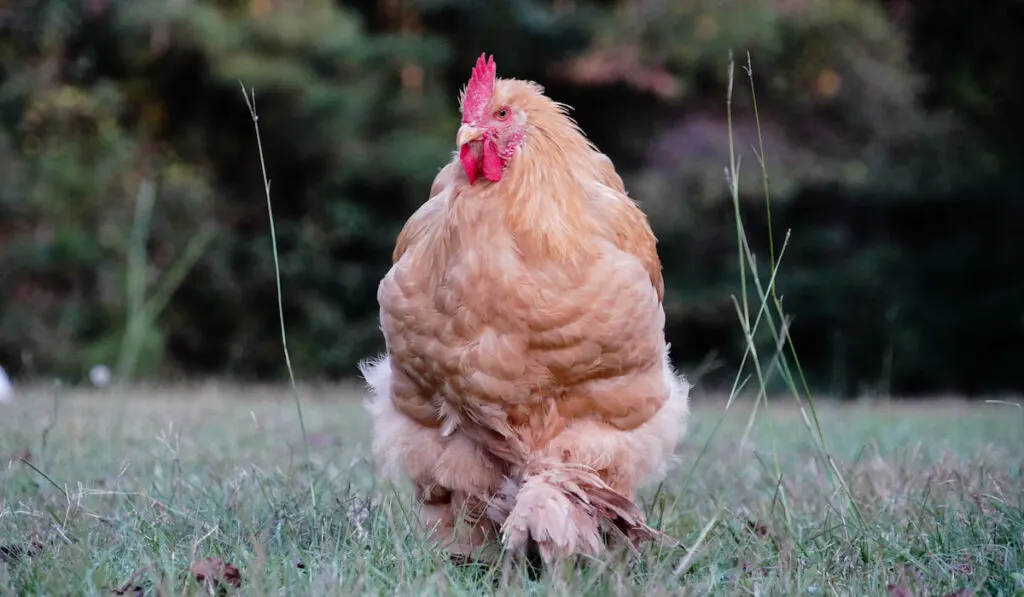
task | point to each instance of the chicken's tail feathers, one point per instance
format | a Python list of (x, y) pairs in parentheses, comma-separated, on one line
[(567, 510)]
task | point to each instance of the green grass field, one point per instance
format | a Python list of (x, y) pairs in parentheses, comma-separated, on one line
[(92, 502)]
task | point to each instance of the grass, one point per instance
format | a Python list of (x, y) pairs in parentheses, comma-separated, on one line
[(220, 471), (134, 491)]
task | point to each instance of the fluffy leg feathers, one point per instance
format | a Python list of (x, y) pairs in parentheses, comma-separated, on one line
[(451, 475), (565, 509)]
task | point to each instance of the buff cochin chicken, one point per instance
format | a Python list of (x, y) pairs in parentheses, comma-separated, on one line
[(526, 389)]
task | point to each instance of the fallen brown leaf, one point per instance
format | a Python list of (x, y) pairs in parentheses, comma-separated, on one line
[(129, 587), (758, 528), (215, 571)]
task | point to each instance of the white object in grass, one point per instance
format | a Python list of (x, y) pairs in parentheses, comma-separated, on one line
[(99, 375), (6, 389)]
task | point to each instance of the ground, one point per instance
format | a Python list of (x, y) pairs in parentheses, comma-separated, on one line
[(135, 490)]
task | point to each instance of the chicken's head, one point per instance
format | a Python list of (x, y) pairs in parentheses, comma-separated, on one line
[(492, 125)]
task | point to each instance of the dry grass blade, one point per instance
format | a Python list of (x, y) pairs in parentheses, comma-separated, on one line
[(250, 102)]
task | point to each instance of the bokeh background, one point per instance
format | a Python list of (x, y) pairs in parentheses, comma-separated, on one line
[(134, 229)]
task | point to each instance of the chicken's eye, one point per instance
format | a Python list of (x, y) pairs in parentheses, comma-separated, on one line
[(501, 114)]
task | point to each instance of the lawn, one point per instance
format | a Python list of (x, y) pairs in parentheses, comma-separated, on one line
[(104, 492)]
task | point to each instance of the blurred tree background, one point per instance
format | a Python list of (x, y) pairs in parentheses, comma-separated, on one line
[(134, 230)]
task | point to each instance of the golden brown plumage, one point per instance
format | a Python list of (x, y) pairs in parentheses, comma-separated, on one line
[(526, 386)]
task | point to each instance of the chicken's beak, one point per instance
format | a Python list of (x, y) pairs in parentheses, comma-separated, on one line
[(468, 133)]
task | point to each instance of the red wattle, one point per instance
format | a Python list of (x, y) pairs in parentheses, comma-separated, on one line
[(492, 161), (470, 163)]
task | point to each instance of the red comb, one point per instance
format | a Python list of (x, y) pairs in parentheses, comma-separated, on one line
[(478, 91)]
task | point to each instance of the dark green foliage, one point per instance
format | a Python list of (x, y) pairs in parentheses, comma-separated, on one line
[(900, 271)]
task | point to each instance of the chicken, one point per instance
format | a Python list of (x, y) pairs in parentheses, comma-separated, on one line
[(526, 389)]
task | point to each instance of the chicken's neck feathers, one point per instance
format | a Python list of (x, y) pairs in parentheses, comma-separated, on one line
[(543, 198)]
